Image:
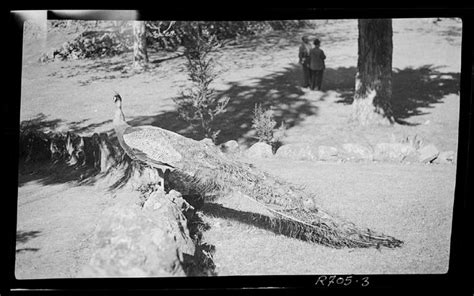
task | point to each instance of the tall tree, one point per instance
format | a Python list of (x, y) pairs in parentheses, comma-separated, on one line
[(140, 55), (373, 87)]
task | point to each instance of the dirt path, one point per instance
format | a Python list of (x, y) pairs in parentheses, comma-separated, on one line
[(54, 229), (414, 205)]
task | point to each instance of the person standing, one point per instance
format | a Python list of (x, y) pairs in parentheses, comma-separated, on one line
[(316, 65), (303, 55)]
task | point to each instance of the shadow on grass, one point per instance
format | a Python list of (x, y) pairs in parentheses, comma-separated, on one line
[(48, 173), (418, 88), (201, 262), (24, 236), (78, 127), (341, 80), (275, 225), (279, 91), (41, 123), (271, 41), (118, 67), (23, 250), (412, 88)]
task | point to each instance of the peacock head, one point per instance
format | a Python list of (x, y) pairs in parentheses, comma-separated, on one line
[(118, 100)]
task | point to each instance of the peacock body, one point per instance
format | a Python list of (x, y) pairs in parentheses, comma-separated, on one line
[(204, 168)]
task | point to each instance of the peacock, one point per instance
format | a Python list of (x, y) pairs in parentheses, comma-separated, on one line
[(205, 168)]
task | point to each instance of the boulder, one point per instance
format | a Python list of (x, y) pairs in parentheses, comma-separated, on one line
[(393, 151), (327, 153), (153, 202), (259, 150), (300, 151), (428, 153), (357, 151), (140, 242), (229, 147), (415, 141)]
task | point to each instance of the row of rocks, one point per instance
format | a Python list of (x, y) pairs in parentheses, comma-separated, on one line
[(398, 152)]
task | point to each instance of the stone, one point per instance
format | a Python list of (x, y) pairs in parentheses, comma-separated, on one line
[(445, 157), (44, 58), (207, 141), (428, 153), (358, 151), (140, 242), (446, 76), (177, 198), (259, 150), (327, 153), (297, 151), (153, 201), (393, 151), (415, 141), (229, 147)]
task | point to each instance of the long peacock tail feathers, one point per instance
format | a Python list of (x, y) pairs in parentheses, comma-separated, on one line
[(295, 213)]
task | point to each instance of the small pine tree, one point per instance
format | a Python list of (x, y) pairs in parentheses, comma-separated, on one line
[(198, 104)]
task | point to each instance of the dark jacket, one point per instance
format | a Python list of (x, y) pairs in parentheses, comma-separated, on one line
[(316, 59)]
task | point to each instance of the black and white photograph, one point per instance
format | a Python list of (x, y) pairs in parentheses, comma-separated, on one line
[(213, 148)]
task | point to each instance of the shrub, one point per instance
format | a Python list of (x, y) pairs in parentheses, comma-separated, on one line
[(198, 104), (94, 44), (265, 127), (110, 38)]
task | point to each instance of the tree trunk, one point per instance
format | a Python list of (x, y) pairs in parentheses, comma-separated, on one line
[(140, 55), (373, 86)]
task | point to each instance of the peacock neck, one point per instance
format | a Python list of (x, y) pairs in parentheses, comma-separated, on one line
[(119, 120)]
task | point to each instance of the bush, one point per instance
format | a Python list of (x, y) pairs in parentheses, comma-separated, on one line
[(171, 34), (198, 104), (265, 127), (117, 38), (95, 44)]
